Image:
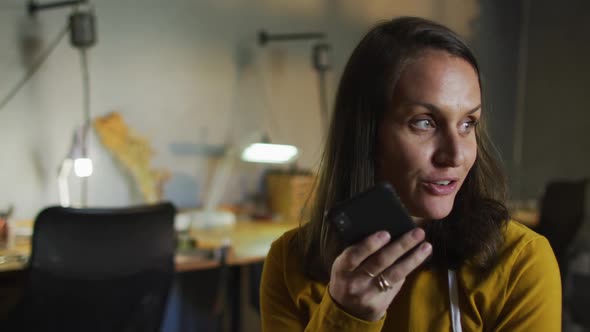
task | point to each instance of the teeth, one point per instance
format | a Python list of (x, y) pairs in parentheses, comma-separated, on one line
[(443, 183)]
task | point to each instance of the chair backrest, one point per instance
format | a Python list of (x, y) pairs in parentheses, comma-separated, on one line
[(100, 269), (562, 213)]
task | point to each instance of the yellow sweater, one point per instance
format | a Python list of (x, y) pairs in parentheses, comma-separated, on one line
[(522, 293)]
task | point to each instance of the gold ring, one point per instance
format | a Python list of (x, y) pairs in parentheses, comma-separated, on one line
[(383, 283), (368, 273)]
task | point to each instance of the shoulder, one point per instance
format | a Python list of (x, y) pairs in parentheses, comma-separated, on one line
[(519, 242), (526, 260), (284, 266), (287, 255), (286, 258), (519, 292), (529, 280), (285, 247), (517, 236), (522, 260)]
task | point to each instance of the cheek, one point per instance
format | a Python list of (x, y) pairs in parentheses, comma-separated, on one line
[(414, 157), (399, 160)]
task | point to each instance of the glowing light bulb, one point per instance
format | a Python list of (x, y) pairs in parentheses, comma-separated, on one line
[(269, 153), (83, 167)]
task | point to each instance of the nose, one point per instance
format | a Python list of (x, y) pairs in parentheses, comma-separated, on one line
[(449, 151)]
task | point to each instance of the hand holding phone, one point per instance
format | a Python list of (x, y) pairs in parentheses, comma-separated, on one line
[(371, 255)]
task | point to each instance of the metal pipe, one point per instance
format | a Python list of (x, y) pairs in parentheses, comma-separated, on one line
[(264, 37), (34, 7)]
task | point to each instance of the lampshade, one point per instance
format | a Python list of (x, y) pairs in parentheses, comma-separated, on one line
[(270, 153), (79, 154), (77, 158)]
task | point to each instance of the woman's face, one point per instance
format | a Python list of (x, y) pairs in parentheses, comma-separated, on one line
[(426, 142)]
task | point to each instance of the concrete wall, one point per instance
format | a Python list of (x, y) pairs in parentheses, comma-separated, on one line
[(556, 139), (496, 41)]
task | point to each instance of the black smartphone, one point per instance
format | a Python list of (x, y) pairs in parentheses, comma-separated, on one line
[(376, 209)]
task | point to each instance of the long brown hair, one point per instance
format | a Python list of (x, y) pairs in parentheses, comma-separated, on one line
[(473, 230)]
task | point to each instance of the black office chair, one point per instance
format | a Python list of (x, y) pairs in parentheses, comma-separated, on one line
[(100, 269), (562, 213)]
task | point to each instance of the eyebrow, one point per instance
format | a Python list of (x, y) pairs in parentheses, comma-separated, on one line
[(433, 108)]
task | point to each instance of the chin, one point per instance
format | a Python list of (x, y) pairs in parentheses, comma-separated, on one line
[(433, 210)]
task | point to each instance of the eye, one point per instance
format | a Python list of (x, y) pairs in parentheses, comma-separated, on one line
[(468, 125), (423, 124)]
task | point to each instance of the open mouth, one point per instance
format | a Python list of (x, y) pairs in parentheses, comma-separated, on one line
[(442, 187), (443, 183)]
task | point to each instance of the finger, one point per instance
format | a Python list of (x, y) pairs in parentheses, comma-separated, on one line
[(390, 254), (355, 254), (398, 271)]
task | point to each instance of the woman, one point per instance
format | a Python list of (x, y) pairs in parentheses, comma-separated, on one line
[(409, 112)]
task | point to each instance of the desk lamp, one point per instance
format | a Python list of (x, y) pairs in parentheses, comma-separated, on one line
[(82, 36), (247, 149), (82, 165), (263, 151)]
